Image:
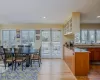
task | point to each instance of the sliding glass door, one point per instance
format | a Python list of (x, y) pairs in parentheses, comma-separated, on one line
[(46, 44), (51, 44), (56, 44)]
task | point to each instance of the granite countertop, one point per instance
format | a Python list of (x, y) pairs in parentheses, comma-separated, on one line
[(80, 50), (77, 49)]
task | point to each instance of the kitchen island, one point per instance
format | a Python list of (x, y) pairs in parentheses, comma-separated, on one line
[(78, 60), (94, 51)]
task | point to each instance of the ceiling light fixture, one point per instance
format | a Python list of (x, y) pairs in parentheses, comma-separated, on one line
[(98, 16), (44, 17)]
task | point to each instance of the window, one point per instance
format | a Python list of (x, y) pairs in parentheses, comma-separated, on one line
[(77, 37), (28, 37), (12, 37), (8, 38), (24, 37), (98, 36), (84, 36), (91, 36)]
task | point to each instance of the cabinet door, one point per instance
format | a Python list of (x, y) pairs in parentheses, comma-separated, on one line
[(97, 55), (91, 54)]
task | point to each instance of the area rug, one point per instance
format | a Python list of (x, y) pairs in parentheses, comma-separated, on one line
[(29, 73)]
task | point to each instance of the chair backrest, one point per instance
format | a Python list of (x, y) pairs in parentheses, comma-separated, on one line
[(20, 46), (1, 46), (17, 52), (40, 51), (7, 52), (27, 46), (1, 50)]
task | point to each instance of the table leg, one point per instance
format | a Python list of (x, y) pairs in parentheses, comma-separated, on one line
[(27, 60)]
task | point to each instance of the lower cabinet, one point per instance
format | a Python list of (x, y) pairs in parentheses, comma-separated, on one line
[(81, 63), (97, 55), (94, 54)]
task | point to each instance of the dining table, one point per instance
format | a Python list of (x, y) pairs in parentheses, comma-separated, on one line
[(28, 51)]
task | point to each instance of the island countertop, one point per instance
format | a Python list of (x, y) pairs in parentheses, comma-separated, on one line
[(77, 49), (87, 45), (80, 50)]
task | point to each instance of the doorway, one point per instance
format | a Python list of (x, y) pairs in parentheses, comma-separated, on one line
[(51, 43)]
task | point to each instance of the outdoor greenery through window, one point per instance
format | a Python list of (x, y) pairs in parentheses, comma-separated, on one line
[(88, 37), (8, 38), (26, 37)]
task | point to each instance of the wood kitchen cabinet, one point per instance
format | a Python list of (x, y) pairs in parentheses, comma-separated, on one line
[(94, 54), (69, 58), (91, 54), (77, 62), (81, 63)]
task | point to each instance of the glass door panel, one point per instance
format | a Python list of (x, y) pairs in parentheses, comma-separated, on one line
[(51, 44), (56, 43), (45, 52)]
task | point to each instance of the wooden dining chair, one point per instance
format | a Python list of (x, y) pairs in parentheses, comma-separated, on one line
[(1, 52), (9, 58), (36, 57), (19, 57), (20, 46)]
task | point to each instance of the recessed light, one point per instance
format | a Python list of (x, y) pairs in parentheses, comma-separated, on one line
[(44, 17), (98, 16)]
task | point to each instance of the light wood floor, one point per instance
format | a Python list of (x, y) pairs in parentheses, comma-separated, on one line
[(55, 69), (94, 73)]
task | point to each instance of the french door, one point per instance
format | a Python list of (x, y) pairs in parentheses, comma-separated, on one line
[(51, 44)]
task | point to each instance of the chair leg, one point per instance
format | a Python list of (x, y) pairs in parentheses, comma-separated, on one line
[(18, 64), (22, 65), (5, 65), (12, 65), (15, 66), (31, 63), (39, 62)]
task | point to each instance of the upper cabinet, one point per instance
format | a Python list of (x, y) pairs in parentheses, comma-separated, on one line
[(73, 24)]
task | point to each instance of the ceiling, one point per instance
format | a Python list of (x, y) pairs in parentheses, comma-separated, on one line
[(55, 11)]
